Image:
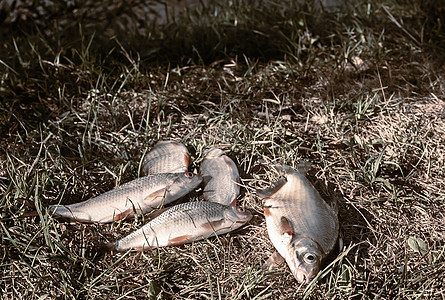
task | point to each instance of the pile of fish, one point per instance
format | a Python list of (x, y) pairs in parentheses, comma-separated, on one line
[(301, 225), (168, 179)]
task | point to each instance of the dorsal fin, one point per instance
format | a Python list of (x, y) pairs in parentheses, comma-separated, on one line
[(270, 191), (285, 170), (304, 167)]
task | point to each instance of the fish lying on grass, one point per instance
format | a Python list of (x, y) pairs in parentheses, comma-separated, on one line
[(301, 225), (221, 177), (166, 157), (140, 195), (184, 223)]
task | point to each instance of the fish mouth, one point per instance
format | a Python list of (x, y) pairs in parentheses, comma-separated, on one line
[(243, 221), (247, 217), (303, 276)]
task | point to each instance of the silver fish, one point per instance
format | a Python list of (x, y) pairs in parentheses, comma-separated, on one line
[(184, 223), (166, 157), (301, 225), (138, 196), (221, 177)]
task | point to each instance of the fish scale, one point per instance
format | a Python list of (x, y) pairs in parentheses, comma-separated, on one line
[(140, 195), (221, 177), (166, 157), (184, 223), (299, 223)]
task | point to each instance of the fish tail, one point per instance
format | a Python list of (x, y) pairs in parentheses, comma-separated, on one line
[(106, 247), (103, 249), (29, 214), (27, 202)]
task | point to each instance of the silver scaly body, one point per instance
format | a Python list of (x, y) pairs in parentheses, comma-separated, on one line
[(184, 223), (221, 178), (137, 196), (166, 157), (301, 225)]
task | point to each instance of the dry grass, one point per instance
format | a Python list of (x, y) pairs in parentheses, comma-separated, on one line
[(358, 97)]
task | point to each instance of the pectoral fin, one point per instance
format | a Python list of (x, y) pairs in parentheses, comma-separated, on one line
[(267, 212), (286, 226), (214, 225), (121, 216), (186, 159), (155, 195), (274, 260), (179, 240)]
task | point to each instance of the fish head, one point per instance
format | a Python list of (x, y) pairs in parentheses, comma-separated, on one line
[(182, 183), (303, 256), (237, 215)]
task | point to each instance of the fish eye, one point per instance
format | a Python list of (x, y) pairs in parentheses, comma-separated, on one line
[(188, 174), (240, 209), (310, 258)]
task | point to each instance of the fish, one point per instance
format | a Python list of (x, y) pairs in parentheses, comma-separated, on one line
[(184, 223), (137, 196), (220, 176), (166, 157), (301, 225)]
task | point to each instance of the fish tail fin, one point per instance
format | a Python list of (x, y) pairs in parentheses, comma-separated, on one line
[(268, 192), (29, 214), (27, 202), (106, 247)]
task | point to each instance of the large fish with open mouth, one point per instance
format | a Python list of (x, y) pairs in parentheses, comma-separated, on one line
[(166, 157), (221, 177), (301, 225), (185, 223), (138, 196)]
